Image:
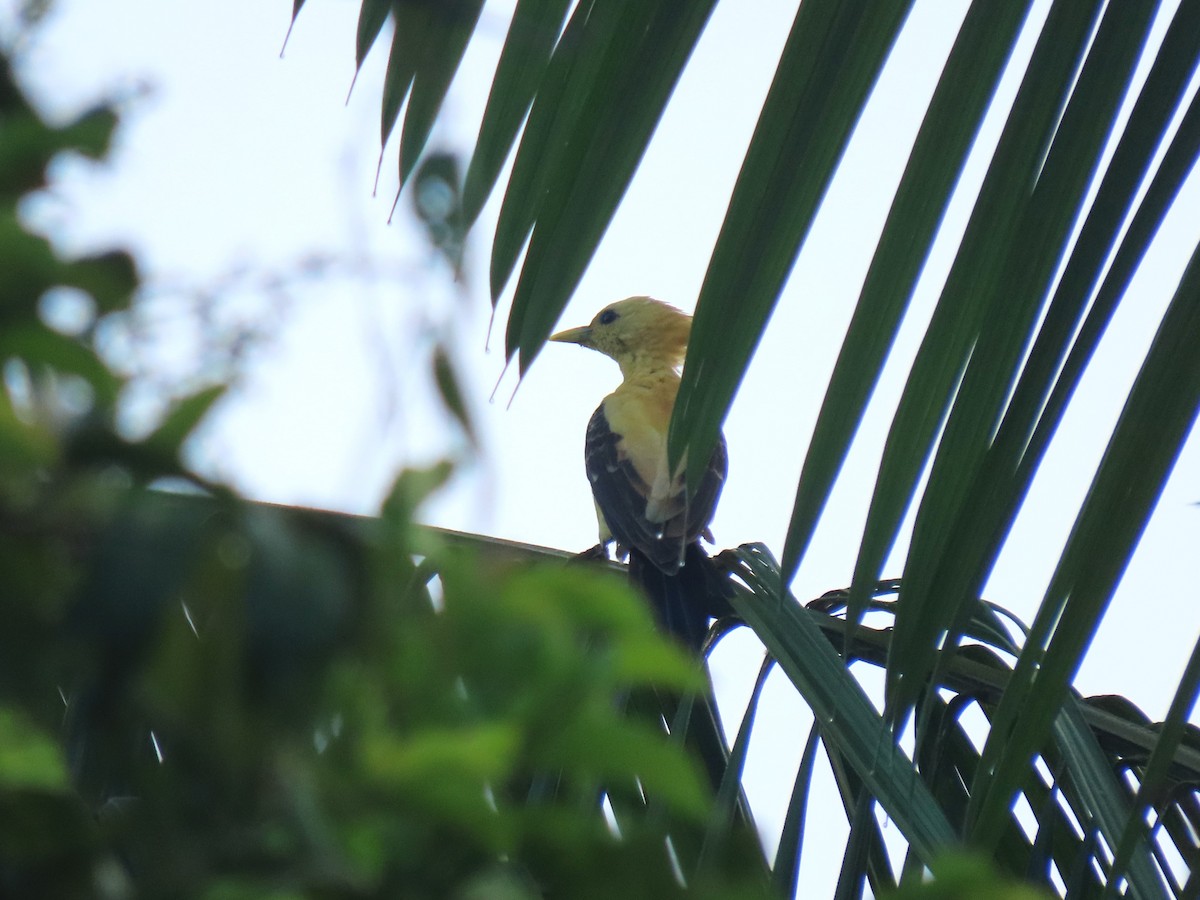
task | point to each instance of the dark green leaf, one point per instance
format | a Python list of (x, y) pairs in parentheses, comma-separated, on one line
[(559, 100), (110, 278), (961, 309), (1156, 419), (786, 870), (1038, 401), (90, 134), (829, 64), (371, 17), (1098, 798), (40, 346), (182, 420), (531, 37), (412, 21), (594, 156), (1154, 778), (296, 6), (848, 722), (967, 84), (1011, 303), (448, 29), (451, 393), (721, 820)]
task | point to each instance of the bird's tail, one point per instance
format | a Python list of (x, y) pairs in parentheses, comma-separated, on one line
[(683, 602)]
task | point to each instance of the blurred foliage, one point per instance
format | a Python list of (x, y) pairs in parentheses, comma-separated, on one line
[(208, 698), (961, 877)]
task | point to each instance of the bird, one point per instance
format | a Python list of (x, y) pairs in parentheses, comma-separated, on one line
[(641, 505)]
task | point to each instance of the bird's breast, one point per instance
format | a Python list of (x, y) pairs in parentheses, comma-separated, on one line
[(640, 423), (639, 415)]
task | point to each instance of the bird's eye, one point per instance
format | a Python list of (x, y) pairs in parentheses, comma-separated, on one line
[(608, 317)]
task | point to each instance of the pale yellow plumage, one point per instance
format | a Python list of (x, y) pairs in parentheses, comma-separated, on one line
[(648, 340)]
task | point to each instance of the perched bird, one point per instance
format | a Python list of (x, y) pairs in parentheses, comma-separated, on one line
[(642, 505)]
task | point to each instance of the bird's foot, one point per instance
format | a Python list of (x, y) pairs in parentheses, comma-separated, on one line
[(598, 553), (726, 562)]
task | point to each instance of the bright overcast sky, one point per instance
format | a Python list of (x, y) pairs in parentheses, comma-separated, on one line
[(231, 158)]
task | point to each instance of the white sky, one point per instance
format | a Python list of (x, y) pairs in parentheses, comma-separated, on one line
[(234, 159)]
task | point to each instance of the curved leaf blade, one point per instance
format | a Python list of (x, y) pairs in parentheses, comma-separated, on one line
[(832, 58), (1039, 400), (939, 153), (1153, 425), (597, 159), (371, 16), (441, 49), (1012, 302), (559, 101), (532, 35), (849, 724)]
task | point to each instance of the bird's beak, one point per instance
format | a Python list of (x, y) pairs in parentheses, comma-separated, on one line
[(581, 336)]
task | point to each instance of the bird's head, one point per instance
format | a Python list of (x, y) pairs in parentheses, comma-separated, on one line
[(637, 331)]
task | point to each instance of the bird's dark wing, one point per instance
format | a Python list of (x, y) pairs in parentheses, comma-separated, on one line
[(620, 493), (704, 502)]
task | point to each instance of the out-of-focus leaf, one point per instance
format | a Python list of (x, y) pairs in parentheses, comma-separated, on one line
[(109, 278), (451, 393), (531, 37), (90, 134), (23, 446), (412, 488), (957, 876), (607, 114), (483, 753), (613, 748), (967, 84), (29, 267), (182, 420), (41, 346), (654, 662), (139, 562), (29, 758), (49, 839), (829, 64), (29, 144), (438, 204)]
